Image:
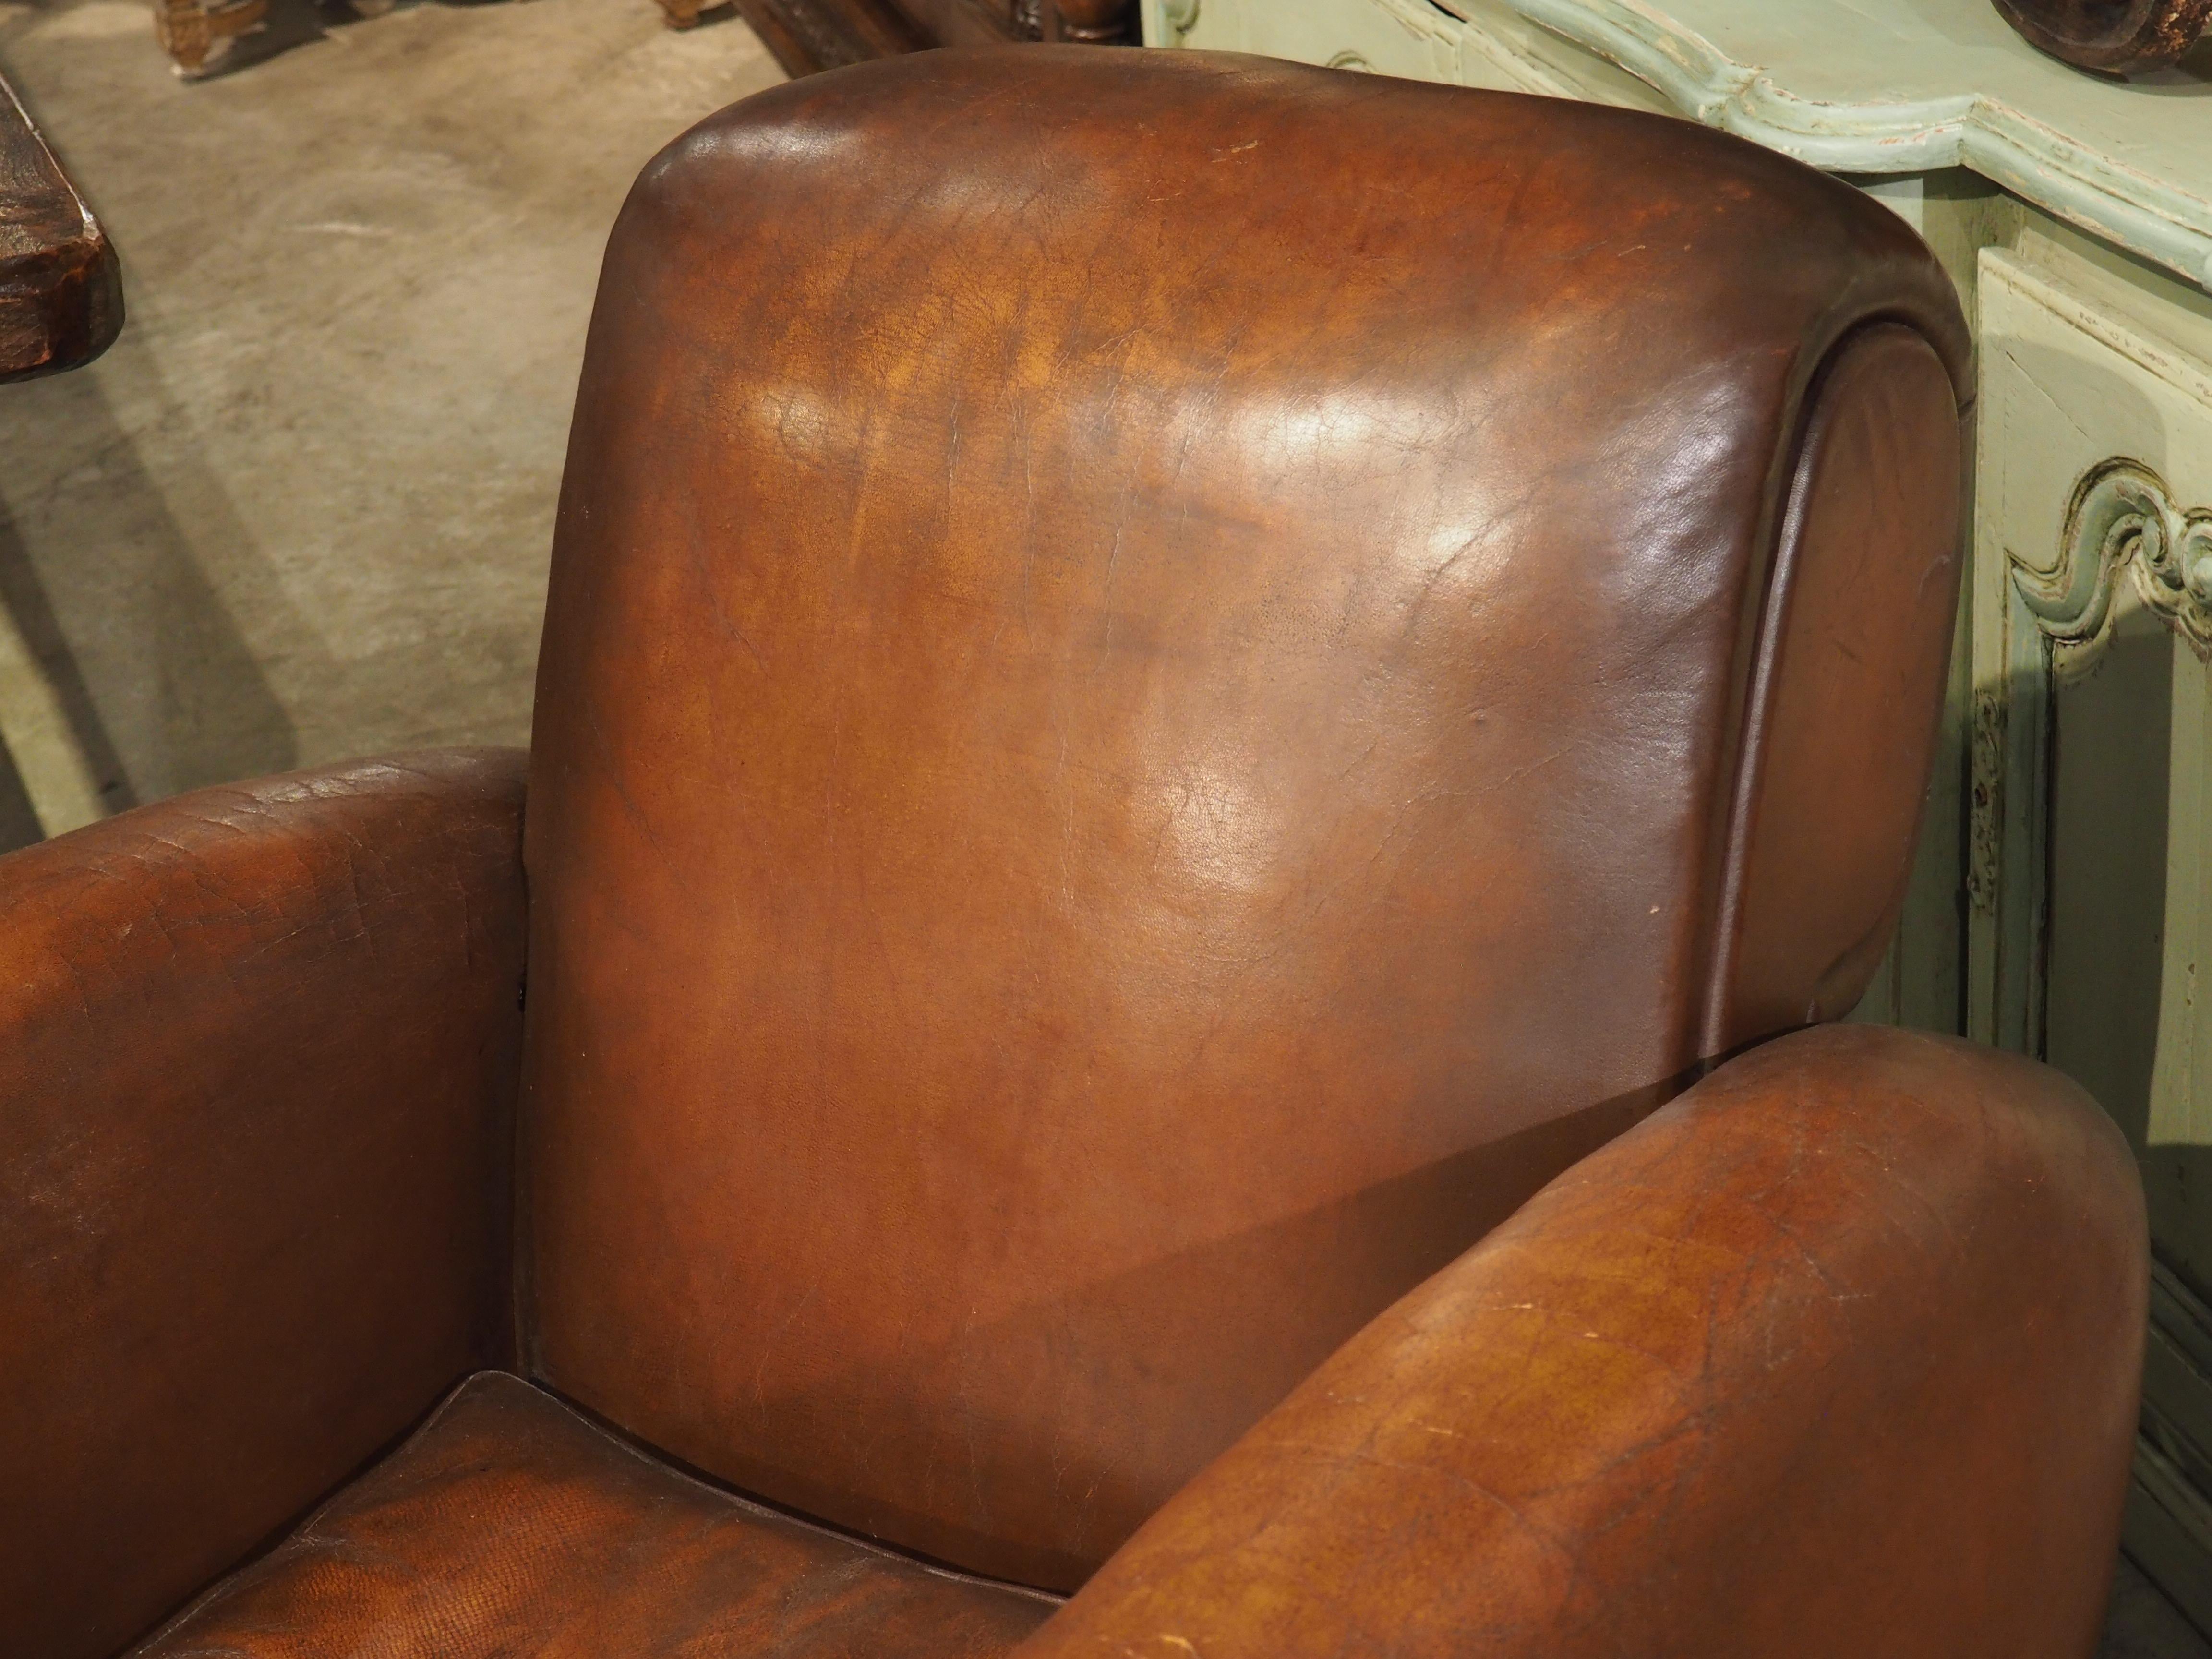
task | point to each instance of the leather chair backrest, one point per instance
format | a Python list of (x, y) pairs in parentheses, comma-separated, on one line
[(1170, 681)]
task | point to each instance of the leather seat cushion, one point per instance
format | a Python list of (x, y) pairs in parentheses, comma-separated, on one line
[(510, 1525)]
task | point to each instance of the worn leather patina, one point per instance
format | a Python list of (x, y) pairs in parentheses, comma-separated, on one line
[(595, 1549), (258, 1052), (1142, 703), (1181, 697), (1831, 1357)]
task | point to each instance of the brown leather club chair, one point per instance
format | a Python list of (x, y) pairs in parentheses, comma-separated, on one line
[(1185, 700)]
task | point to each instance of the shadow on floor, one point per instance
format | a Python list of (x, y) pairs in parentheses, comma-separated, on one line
[(292, 23), (2143, 1625), (156, 685), (24, 595)]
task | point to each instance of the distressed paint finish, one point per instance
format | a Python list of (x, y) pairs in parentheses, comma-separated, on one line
[(1882, 87), (2091, 932), (2097, 438), (2123, 526)]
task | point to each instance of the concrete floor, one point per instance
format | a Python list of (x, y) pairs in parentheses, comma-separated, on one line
[(2143, 1625), (301, 511)]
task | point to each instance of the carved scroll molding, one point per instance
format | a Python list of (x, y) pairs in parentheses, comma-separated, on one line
[(2005, 134), (2123, 524)]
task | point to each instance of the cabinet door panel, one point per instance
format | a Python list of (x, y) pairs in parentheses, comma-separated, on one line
[(2093, 627)]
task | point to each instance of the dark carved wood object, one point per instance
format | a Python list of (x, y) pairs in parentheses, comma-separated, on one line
[(809, 35), (2115, 36), (61, 296), (198, 35)]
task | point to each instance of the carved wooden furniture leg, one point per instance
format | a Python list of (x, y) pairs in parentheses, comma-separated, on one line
[(181, 27), (196, 35), (680, 13)]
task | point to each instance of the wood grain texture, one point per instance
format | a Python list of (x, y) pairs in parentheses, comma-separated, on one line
[(61, 293), (2115, 36)]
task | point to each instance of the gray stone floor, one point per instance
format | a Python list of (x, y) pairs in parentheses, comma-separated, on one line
[(301, 510), (2143, 1624)]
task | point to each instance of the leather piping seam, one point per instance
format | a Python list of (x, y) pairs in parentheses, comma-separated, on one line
[(1760, 681)]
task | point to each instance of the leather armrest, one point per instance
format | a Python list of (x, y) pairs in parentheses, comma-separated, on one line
[(257, 1072), (1837, 1354)]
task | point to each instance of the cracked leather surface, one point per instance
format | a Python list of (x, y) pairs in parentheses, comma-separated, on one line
[(1169, 683), (258, 1051), (509, 1525), (1138, 738), (1835, 1355)]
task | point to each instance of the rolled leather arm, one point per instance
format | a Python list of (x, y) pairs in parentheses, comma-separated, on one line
[(1838, 1355), (258, 1070)]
